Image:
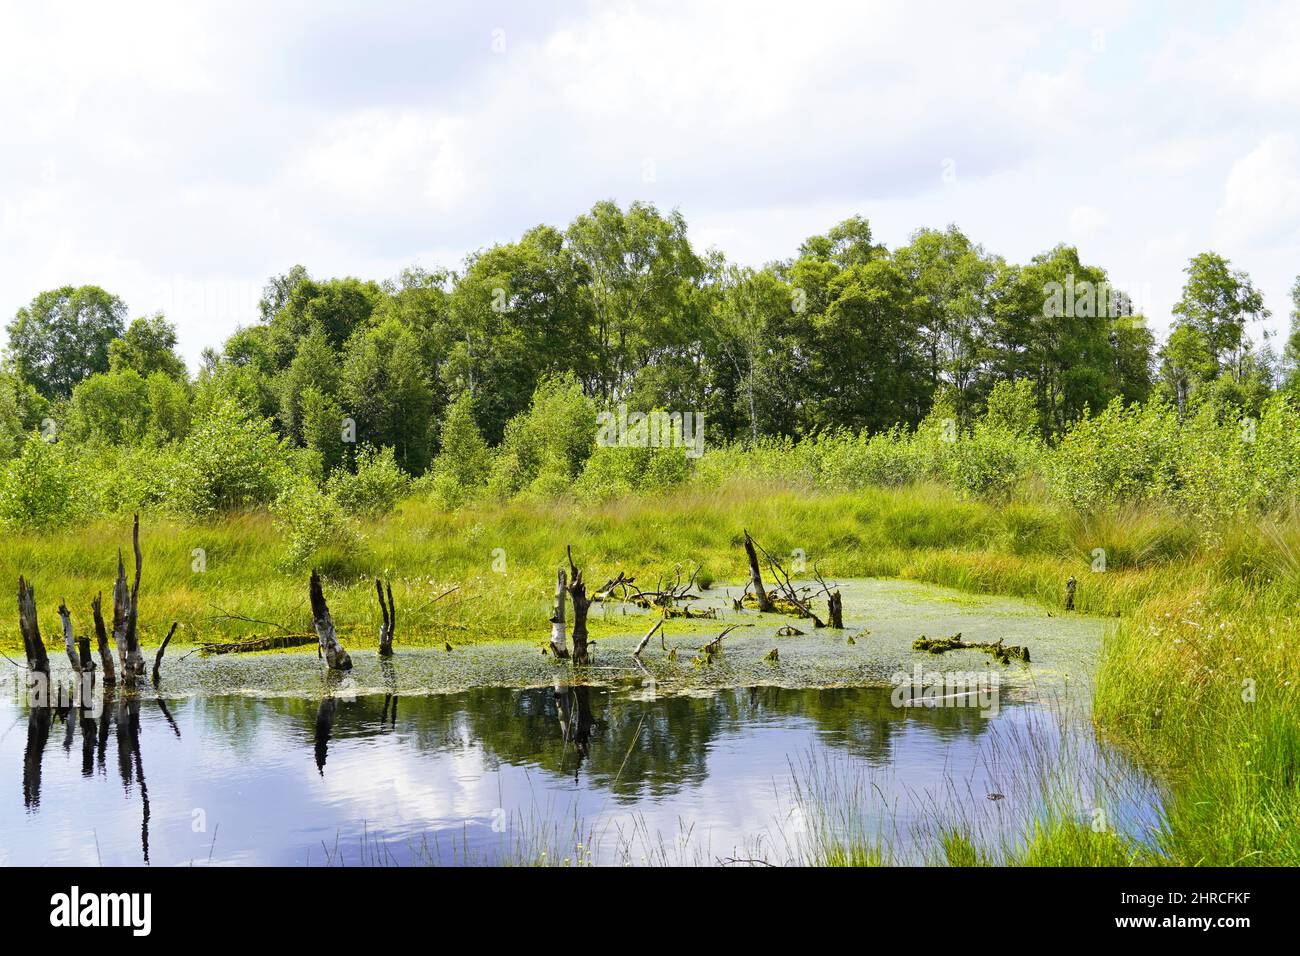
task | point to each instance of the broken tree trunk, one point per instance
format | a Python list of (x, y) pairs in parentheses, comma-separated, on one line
[(125, 614), (101, 641), (578, 594), (559, 642), (335, 656), (1070, 585), (389, 612), (69, 642), (83, 652), (162, 648), (756, 576), (37, 660), (836, 604)]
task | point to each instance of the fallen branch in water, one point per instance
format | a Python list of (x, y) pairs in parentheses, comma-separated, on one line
[(162, 648), (1003, 653), (271, 642)]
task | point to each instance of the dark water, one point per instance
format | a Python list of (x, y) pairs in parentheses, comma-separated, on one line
[(490, 775)]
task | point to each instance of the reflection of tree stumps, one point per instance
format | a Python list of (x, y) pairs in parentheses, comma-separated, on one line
[(38, 733), (389, 674), (130, 764), (89, 734), (325, 715), (573, 705)]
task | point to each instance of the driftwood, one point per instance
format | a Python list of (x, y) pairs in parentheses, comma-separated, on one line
[(101, 641), (559, 640), (712, 649), (335, 656), (646, 640), (38, 662), (389, 611), (578, 595), (756, 577), (1002, 653), (162, 648), (69, 642)]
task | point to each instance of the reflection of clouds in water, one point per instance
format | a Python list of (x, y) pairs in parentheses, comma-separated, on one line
[(719, 767)]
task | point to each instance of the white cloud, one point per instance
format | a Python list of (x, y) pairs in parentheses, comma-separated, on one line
[(204, 147), (1261, 197)]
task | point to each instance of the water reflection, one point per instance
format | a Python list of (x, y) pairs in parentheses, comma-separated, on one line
[(286, 778)]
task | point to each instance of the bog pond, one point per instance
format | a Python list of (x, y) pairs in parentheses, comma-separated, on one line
[(495, 753)]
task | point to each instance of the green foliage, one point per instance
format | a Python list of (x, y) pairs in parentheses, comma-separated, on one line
[(148, 346), (63, 337), (374, 488), (311, 521), (545, 448), (464, 462), (39, 488), (230, 460)]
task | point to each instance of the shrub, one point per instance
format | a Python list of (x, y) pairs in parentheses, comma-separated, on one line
[(311, 521), (464, 462), (545, 448), (230, 460), (376, 486), (40, 488)]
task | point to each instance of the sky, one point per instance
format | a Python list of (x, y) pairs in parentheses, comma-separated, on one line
[(180, 154)]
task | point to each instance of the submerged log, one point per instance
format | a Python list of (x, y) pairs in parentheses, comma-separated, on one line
[(756, 577), (578, 594), (389, 611), (38, 662), (162, 648), (101, 641), (69, 642), (335, 656), (1002, 653), (559, 641)]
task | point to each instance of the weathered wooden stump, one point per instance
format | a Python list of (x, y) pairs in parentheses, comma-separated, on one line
[(389, 625), (559, 641), (101, 642), (836, 605), (335, 656), (38, 662), (69, 642), (756, 576), (126, 606), (1070, 585), (578, 594)]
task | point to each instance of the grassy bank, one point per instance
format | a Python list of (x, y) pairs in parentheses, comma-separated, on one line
[(1197, 681)]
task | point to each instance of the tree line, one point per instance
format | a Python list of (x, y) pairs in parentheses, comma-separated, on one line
[(844, 334)]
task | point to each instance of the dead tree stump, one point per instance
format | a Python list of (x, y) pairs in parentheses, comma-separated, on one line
[(69, 642), (101, 642), (335, 656), (756, 576), (125, 614), (836, 605), (38, 662), (1070, 585), (559, 641), (578, 594), (389, 611)]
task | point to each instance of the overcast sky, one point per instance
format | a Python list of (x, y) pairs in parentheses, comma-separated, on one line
[(179, 153)]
